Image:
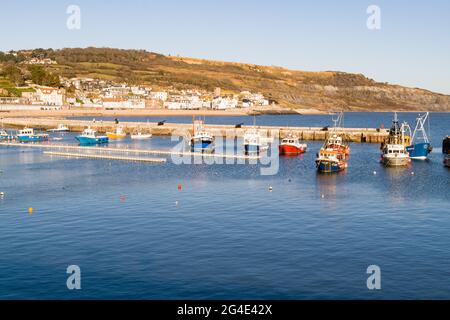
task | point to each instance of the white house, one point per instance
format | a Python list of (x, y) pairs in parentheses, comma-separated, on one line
[(161, 95), (50, 96), (221, 103), (113, 103)]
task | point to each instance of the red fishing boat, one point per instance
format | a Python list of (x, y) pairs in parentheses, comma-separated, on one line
[(291, 146)]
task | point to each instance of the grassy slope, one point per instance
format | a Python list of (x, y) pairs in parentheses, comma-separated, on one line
[(294, 89)]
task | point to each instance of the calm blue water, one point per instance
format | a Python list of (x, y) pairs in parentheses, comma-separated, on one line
[(224, 235)]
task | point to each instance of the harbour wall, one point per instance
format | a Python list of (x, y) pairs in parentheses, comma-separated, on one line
[(362, 135)]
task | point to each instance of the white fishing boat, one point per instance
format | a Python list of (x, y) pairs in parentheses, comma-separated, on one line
[(254, 142), (202, 140), (394, 153), (4, 135), (61, 128), (140, 136)]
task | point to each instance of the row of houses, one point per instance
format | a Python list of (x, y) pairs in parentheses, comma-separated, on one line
[(45, 96)]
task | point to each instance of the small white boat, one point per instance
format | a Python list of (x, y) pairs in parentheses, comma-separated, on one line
[(253, 142), (119, 133), (3, 135), (141, 136), (61, 128)]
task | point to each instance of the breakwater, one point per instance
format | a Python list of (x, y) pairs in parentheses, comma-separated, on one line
[(362, 135)]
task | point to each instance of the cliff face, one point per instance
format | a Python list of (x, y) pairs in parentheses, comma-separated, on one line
[(325, 91)]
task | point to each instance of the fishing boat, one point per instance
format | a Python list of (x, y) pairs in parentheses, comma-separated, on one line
[(333, 155), (61, 128), (117, 134), (330, 160), (28, 135), (394, 153), (421, 146), (254, 142), (89, 137), (335, 140), (140, 136), (446, 145), (202, 140), (291, 145), (4, 135)]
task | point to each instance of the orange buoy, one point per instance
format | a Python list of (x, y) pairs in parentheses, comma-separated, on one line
[(180, 187), (30, 210)]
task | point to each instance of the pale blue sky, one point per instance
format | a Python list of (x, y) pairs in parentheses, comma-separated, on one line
[(412, 48)]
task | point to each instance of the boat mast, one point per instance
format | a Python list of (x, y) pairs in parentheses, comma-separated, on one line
[(420, 127)]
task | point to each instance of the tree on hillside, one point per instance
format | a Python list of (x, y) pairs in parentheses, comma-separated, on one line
[(14, 74), (40, 76)]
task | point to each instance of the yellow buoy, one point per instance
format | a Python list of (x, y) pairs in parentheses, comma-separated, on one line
[(30, 210)]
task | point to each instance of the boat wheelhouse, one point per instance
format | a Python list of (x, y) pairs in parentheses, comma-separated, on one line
[(395, 155)]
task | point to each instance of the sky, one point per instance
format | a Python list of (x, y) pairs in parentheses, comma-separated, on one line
[(411, 48)]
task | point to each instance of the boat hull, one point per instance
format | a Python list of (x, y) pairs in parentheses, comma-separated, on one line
[(324, 166), (419, 151), (291, 150), (447, 161), (90, 140), (252, 148), (33, 138), (202, 146), (115, 135), (141, 137), (395, 161)]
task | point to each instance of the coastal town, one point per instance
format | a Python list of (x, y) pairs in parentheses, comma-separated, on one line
[(92, 93)]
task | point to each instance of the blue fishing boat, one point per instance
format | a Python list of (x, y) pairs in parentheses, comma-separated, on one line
[(89, 137), (28, 135), (420, 146), (202, 141)]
